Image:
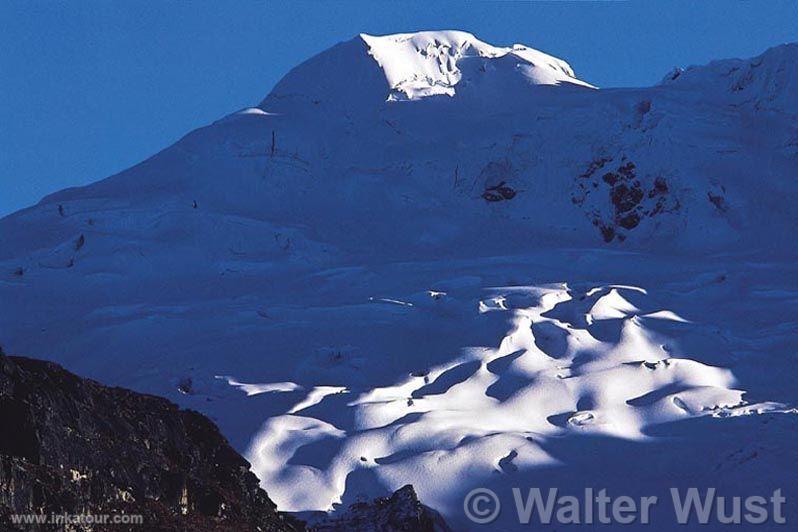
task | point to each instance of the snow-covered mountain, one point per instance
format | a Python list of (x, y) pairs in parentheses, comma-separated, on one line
[(426, 259)]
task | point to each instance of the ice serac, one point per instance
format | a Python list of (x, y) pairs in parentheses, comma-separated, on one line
[(369, 70)]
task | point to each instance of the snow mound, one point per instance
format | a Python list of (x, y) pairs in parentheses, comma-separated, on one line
[(500, 408)]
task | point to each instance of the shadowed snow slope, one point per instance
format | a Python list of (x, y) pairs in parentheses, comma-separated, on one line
[(426, 259), (766, 82)]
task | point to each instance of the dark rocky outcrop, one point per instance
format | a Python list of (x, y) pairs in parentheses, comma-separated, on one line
[(499, 192), (73, 446), (401, 512), (499, 172), (718, 201), (631, 198)]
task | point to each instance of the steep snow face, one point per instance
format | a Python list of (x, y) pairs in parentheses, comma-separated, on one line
[(343, 77), (369, 70)]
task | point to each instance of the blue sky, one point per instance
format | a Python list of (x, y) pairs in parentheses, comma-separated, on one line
[(89, 88)]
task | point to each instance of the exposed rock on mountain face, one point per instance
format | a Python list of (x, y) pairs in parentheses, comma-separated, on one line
[(402, 511), (73, 446), (631, 200)]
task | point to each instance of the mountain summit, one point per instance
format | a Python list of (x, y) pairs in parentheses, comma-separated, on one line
[(412, 66), (429, 63)]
